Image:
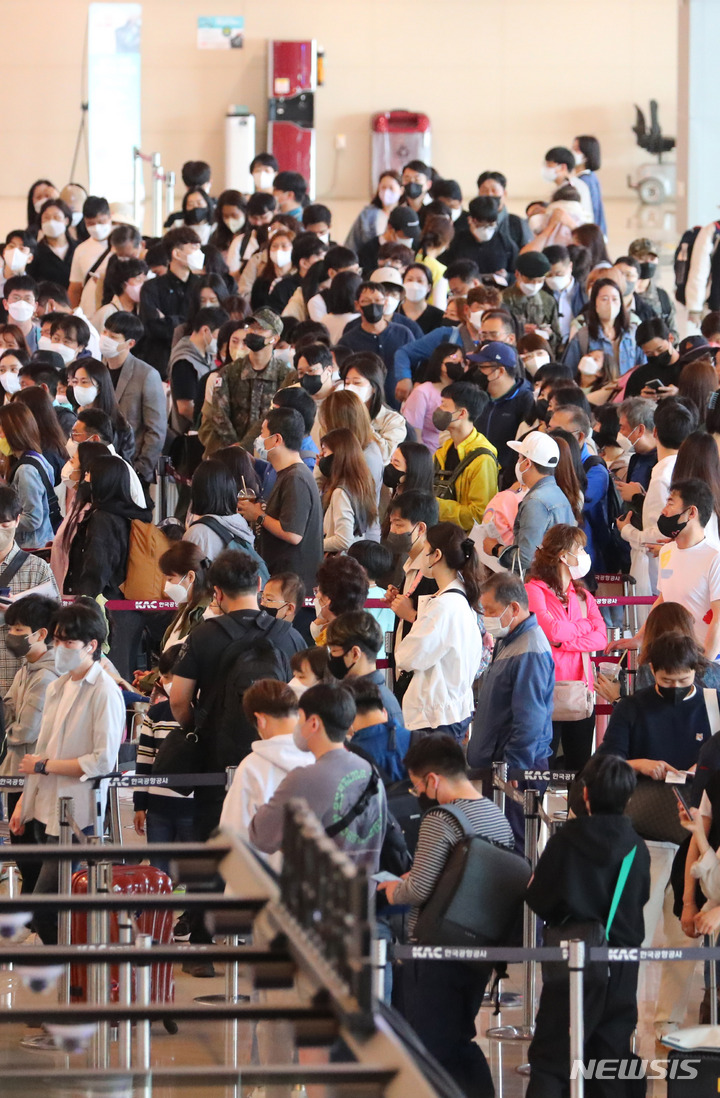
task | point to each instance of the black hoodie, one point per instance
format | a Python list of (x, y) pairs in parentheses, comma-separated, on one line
[(578, 870), (98, 555)]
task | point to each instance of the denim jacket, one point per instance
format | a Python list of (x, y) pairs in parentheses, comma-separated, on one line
[(544, 506)]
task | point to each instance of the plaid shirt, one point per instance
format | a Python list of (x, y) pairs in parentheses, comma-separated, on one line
[(241, 400), (33, 572)]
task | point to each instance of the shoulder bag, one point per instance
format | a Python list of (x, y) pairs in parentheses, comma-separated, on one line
[(574, 701)]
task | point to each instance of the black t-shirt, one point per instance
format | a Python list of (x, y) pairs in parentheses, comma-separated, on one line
[(669, 375), (184, 380), (295, 503), (115, 375), (429, 319), (452, 459)]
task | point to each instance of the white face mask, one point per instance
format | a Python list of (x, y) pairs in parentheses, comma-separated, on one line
[(84, 395), (583, 566), (211, 612), (389, 197), (483, 233), (10, 381), (494, 626), (529, 289), (68, 659), (196, 260), (281, 257), (534, 361), (108, 347), (549, 174), (391, 304), (518, 471), (454, 214), (536, 223), (53, 227), (608, 310), (298, 688), (38, 204), (588, 365), (17, 259), (415, 291), (556, 283), (72, 447), (579, 159), (234, 224), (259, 448), (101, 231), (67, 354), (176, 592), (263, 178), (625, 444), (362, 390), (325, 237), (21, 311), (476, 319), (75, 218)]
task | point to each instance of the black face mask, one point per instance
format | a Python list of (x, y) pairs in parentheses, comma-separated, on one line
[(661, 361), (372, 313), (673, 694), (670, 525), (413, 190), (194, 217), (271, 610), (254, 342), (391, 476), (18, 646), (337, 666), (325, 465), (541, 408), (311, 383), (399, 544), (426, 803), (647, 270)]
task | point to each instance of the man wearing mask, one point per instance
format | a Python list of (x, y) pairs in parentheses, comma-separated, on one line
[(412, 513), (403, 227), (449, 193), (263, 169), (651, 299), (530, 302), (243, 393), (382, 337), (289, 190), (482, 242), (91, 256), (466, 467), (570, 297), (663, 361), (316, 371), (559, 168), (511, 402), (480, 302), (516, 228), (637, 421), (629, 271), (416, 181), (357, 637), (165, 300), (20, 303)]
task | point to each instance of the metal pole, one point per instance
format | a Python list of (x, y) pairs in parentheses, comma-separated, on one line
[(137, 184), (379, 951), (500, 770), (99, 881), (631, 668), (157, 195), (114, 806), (232, 972), (532, 820), (125, 929), (632, 611), (169, 193), (142, 1029), (576, 965), (65, 815), (712, 986)]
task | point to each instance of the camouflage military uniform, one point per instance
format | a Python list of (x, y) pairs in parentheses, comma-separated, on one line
[(540, 310), (241, 400)]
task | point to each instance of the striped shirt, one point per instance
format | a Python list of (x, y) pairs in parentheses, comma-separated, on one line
[(157, 724), (439, 834)]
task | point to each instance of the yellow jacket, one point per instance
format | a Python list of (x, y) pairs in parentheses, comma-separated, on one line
[(475, 487)]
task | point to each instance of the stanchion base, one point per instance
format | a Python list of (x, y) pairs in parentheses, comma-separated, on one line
[(42, 1043), (509, 1000), (208, 1000), (522, 1069), (510, 1033)]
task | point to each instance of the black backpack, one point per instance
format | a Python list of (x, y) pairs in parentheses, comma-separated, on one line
[(396, 854), (53, 505), (446, 479), (252, 653), (234, 541), (615, 550)]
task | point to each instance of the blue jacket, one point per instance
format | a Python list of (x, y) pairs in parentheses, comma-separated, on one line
[(386, 345), (595, 511), (544, 506), (630, 354), (387, 744), (513, 719), (412, 355), (593, 185), (390, 703)]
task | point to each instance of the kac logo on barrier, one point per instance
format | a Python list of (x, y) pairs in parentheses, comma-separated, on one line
[(635, 1069)]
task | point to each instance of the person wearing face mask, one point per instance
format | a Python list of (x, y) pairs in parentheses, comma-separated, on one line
[(570, 619), (371, 220), (569, 294), (165, 301), (441, 999), (651, 300), (466, 465), (90, 257), (289, 190), (444, 646), (510, 403), (138, 390), (559, 169), (263, 169), (516, 228), (376, 335), (403, 227), (39, 193), (198, 211), (411, 516), (528, 300), (607, 328), (283, 596), (483, 243), (305, 275), (416, 181), (477, 301), (53, 258), (92, 388), (391, 280), (20, 303), (275, 265), (191, 360), (418, 284), (122, 286), (663, 363), (11, 362), (354, 642), (82, 725), (444, 366)]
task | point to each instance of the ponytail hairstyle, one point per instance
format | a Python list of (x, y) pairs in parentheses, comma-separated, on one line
[(459, 553)]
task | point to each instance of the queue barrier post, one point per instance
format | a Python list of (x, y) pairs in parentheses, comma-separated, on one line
[(137, 183), (125, 937), (99, 874), (142, 1031), (500, 772), (169, 193), (65, 817), (576, 967), (712, 982), (157, 195)]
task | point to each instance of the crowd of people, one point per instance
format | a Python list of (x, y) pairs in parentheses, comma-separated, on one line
[(403, 465)]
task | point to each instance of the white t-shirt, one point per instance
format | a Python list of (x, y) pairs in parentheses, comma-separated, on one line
[(85, 255), (692, 578), (45, 802)]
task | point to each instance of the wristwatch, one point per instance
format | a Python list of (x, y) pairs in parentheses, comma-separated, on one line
[(260, 519), (41, 767), (495, 551)]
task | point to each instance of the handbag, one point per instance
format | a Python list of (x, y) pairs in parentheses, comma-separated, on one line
[(590, 931), (654, 813), (574, 701), (180, 753)]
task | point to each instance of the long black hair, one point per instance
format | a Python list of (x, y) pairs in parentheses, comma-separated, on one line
[(214, 490), (109, 482), (420, 472), (105, 401), (459, 553)]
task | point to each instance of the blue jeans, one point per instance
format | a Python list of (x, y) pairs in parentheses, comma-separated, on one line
[(169, 827), (458, 730)]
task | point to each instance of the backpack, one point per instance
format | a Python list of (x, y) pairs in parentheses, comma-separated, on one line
[(446, 479), (395, 854), (682, 257), (234, 541), (251, 654), (53, 505), (143, 578), (478, 898), (615, 550)]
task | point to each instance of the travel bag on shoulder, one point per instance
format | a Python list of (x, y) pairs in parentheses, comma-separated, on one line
[(573, 700)]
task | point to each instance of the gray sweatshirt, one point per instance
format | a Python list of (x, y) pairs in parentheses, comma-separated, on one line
[(331, 786), (24, 704)]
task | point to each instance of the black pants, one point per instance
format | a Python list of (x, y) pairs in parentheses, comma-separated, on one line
[(576, 739), (45, 923), (610, 1014), (29, 867), (208, 809), (441, 1000)]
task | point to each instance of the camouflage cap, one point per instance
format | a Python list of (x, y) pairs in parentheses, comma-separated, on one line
[(642, 246), (266, 318)]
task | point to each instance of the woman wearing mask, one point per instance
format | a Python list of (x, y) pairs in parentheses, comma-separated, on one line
[(11, 363), (363, 373), (98, 555), (597, 376), (231, 218), (340, 298), (437, 235), (586, 151), (607, 328), (54, 447), (444, 366), (278, 265), (410, 469), (53, 258), (697, 381), (30, 474), (443, 648), (199, 212), (698, 458), (372, 220), (348, 497), (38, 195), (93, 388), (213, 522), (534, 352), (185, 568), (77, 503), (569, 617), (418, 284), (122, 286), (343, 409)]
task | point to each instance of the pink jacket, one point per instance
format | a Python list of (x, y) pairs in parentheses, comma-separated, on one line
[(567, 630)]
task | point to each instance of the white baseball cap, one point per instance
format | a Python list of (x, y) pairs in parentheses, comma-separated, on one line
[(539, 447), (387, 275)]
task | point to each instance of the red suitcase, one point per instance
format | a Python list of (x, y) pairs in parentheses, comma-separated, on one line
[(138, 880)]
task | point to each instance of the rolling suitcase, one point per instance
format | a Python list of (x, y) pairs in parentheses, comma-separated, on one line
[(692, 1074), (130, 880)]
